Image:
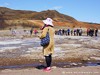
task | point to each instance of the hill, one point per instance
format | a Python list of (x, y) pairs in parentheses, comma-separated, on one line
[(10, 17)]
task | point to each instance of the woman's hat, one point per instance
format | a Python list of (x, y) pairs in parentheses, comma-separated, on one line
[(48, 21)]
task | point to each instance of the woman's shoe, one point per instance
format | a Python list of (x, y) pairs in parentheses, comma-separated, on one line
[(48, 69)]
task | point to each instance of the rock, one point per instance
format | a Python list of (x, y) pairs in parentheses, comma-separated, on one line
[(83, 66), (74, 64), (40, 61), (85, 58), (95, 58), (54, 67), (79, 63), (64, 66)]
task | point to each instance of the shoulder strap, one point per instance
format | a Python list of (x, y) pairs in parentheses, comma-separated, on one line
[(48, 30)]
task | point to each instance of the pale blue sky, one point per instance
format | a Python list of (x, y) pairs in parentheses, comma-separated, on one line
[(82, 10)]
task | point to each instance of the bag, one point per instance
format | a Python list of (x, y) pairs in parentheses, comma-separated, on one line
[(45, 41)]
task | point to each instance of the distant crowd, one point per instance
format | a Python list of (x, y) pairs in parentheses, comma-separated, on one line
[(68, 32), (24, 32), (76, 32), (92, 32)]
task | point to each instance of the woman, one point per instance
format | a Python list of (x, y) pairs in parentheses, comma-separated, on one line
[(48, 49)]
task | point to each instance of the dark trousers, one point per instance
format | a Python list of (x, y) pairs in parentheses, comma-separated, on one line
[(95, 34), (48, 60)]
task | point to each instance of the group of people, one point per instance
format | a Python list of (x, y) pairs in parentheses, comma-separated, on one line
[(92, 32), (77, 32), (24, 32), (68, 32), (33, 31)]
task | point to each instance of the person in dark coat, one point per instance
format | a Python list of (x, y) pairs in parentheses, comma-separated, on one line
[(96, 31)]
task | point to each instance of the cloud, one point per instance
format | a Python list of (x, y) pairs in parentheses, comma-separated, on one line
[(57, 7), (6, 4)]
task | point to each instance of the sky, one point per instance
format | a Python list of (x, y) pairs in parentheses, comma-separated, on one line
[(81, 10)]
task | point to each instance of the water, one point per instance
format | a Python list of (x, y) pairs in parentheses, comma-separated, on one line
[(92, 64), (18, 66), (62, 65)]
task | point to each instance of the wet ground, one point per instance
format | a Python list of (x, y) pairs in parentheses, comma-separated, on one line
[(27, 63)]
